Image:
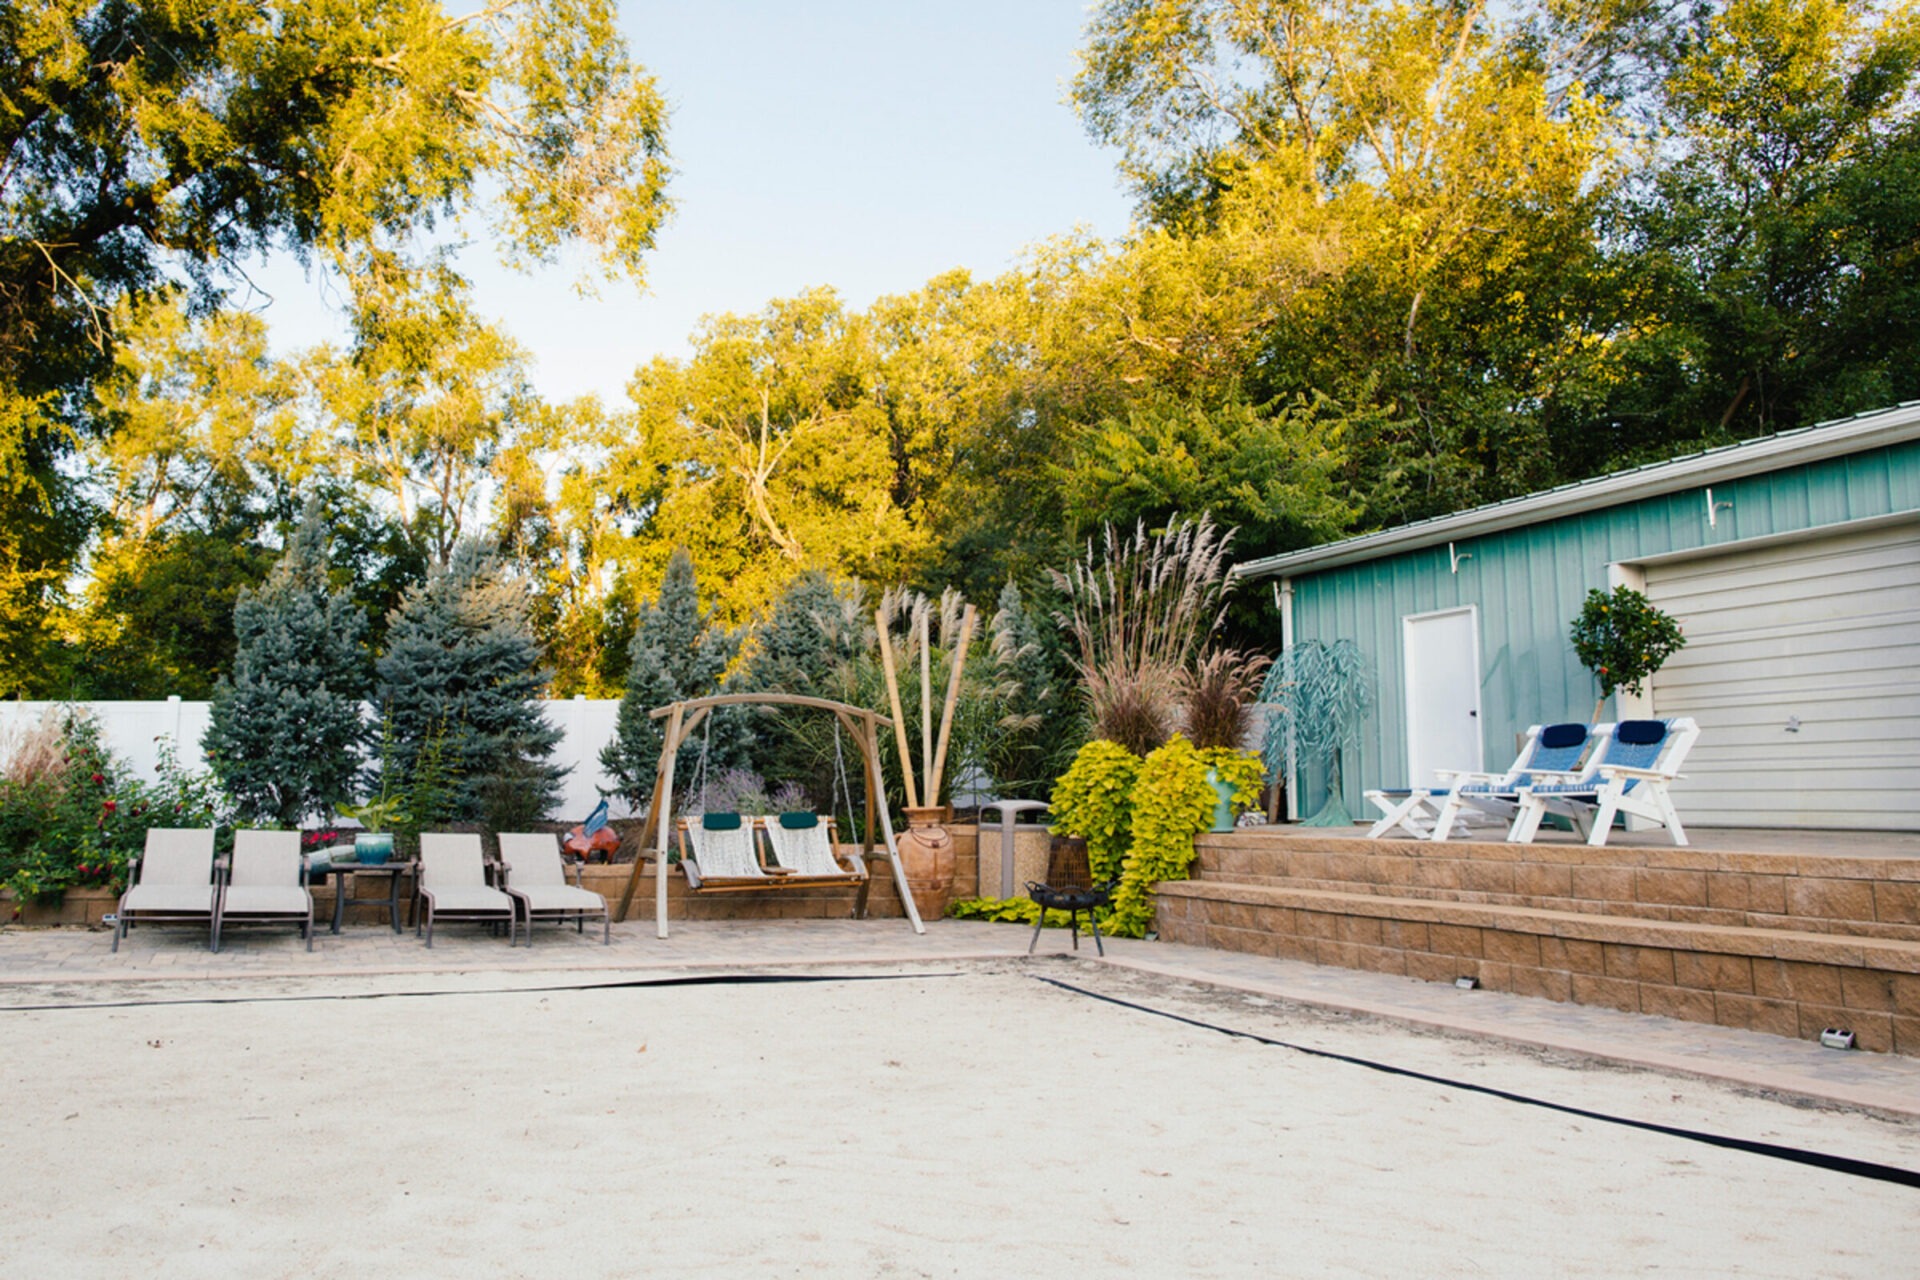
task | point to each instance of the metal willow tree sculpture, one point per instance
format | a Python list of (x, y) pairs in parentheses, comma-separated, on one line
[(1321, 694)]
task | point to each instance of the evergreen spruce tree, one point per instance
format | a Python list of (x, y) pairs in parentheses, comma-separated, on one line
[(816, 629), (677, 652), (286, 733), (809, 635), (457, 685)]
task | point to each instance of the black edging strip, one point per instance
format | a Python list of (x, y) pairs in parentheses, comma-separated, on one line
[(1794, 1155), (696, 980)]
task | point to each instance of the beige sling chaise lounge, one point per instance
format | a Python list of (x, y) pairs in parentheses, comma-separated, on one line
[(453, 884), (537, 879), (173, 882), (267, 884)]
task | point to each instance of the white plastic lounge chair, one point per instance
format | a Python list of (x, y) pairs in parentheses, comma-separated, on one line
[(803, 846), (1629, 774), (174, 881), (453, 884), (1555, 751), (719, 847), (1466, 796), (267, 882), (537, 879)]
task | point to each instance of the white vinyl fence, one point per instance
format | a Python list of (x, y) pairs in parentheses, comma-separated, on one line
[(134, 730)]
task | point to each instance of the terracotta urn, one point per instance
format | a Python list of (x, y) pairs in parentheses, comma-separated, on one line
[(926, 851)]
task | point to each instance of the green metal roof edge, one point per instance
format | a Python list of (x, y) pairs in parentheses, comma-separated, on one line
[(1874, 429)]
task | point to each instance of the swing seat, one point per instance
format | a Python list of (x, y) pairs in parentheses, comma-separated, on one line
[(721, 853), (805, 849)]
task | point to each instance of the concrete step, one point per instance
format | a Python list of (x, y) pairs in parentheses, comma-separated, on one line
[(1783, 981)]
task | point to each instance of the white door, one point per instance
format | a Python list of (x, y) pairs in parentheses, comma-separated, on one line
[(1443, 692), (1802, 666)]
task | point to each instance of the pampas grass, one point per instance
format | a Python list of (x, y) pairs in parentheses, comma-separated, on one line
[(1140, 608)]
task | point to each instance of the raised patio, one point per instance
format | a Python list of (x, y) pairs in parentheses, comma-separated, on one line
[(1787, 932)]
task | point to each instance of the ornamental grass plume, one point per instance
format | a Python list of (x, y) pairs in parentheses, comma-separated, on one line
[(1139, 609), (1220, 693), (36, 752)]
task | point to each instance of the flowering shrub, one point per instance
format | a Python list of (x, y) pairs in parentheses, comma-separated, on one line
[(72, 816)]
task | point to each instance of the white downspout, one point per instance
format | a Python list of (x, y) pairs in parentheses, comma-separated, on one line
[(1283, 600)]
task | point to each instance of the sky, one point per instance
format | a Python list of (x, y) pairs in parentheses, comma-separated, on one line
[(867, 145)]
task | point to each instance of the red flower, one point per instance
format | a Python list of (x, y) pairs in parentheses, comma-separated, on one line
[(108, 805), (98, 779)]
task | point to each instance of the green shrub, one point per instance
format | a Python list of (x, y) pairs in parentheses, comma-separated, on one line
[(1172, 802), (1095, 799), (1005, 911)]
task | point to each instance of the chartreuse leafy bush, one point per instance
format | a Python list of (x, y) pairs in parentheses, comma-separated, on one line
[(1094, 799), (1006, 911), (1243, 770), (1139, 818), (1172, 802)]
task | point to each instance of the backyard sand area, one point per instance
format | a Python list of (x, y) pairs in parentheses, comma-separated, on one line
[(966, 1118)]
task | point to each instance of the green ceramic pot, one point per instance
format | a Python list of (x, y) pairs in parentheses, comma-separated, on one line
[(1223, 802)]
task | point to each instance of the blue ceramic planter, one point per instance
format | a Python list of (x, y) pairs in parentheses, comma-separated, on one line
[(373, 848)]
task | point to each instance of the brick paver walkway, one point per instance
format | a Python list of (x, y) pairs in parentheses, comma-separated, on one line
[(79, 963)]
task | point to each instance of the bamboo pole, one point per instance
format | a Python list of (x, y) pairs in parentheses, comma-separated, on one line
[(926, 705), (953, 696), (893, 700)]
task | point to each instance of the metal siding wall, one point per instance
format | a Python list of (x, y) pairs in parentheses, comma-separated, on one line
[(1529, 583)]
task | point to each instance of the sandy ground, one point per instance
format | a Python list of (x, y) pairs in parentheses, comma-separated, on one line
[(966, 1120)]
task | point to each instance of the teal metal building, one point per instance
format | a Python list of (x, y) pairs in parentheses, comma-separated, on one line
[(1792, 563)]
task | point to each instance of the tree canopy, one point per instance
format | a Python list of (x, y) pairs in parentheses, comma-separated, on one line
[(147, 146), (1393, 258)]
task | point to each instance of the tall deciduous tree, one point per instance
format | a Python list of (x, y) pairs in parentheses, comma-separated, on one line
[(144, 141), (1776, 244), (765, 454), (286, 733), (426, 400)]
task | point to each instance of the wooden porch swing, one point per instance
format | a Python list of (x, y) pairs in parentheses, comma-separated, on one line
[(682, 719)]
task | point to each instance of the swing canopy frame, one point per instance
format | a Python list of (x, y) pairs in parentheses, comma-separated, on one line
[(683, 717)]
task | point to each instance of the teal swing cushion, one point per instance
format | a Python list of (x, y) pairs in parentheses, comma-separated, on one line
[(799, 819), (720, 821)]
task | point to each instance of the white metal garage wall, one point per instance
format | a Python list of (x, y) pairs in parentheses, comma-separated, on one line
[(1802, 666)]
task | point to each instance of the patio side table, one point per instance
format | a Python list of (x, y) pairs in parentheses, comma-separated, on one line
[(392, 871)]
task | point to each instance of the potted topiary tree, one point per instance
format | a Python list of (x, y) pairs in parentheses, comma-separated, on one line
[(1623, 639)]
